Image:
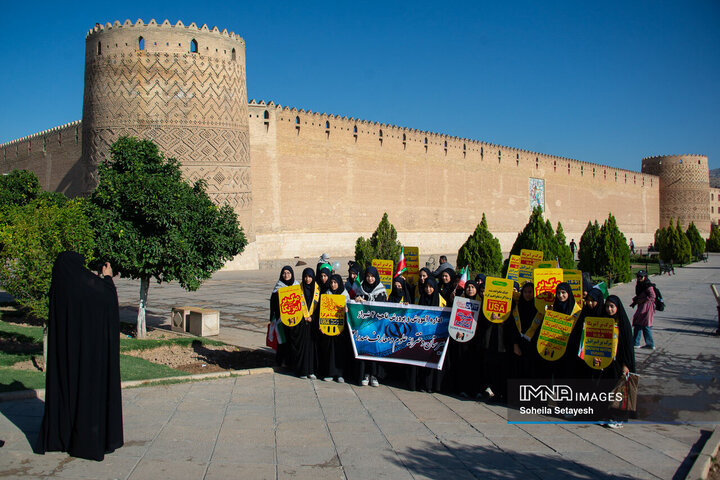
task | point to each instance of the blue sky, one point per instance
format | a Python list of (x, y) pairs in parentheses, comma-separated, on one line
[(606, 82)]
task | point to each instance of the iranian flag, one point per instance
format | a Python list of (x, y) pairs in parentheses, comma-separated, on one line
[(402, 267), (355, 288), (463, 277)]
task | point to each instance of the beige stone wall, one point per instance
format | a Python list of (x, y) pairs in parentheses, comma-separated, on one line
[(684, 189), (715, 205), (54, 156), (321, 180)]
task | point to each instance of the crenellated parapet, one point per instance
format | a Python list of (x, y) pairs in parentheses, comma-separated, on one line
[(381, 135)]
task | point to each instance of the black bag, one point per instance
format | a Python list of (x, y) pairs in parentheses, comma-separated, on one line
[(659, 303)]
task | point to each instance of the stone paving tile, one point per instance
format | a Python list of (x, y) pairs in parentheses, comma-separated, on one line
[(154, 469), (225, 471)]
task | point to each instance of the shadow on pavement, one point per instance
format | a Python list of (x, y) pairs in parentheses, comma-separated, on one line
[(25, 415)]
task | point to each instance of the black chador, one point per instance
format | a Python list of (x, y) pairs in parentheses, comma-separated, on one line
[(302, 341), (83, 404)]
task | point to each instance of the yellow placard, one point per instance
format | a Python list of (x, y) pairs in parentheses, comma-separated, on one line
[(412, 261), (599, 341), (574, 278), (546, 282), (385, 270), (292, 304), (554, 334), (497, 301), (528, 262), (513, 272), (546, 265), (332, 314)]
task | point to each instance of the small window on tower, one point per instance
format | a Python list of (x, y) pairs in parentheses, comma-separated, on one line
[(141, 43), (193, 46)]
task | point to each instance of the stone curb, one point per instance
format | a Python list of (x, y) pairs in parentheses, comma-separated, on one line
[(40, 392), (703, 462)]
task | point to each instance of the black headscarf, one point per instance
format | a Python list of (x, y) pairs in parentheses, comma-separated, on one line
[(339, 281), (432, 300), (598, 311), (477, 290), (83, 404), (308, 289), (447, 289), (626, 351), (369, 287), (354, 267), (567, 306), (402, 295), (480, 278), (324, 286), (421, 284), (282, 283)]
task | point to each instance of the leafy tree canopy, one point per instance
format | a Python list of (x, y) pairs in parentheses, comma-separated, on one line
[(383, 244), (481, 252)]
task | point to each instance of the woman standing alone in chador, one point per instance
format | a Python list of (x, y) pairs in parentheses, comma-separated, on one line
[(83, 403)]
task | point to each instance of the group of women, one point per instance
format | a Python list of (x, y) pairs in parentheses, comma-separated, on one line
[(479, 367)]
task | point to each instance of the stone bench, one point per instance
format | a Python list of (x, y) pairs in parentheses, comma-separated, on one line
[(201, 322)]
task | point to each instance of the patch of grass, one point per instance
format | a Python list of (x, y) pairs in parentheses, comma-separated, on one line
[(24, 334), (133, 368), (18, 343), (12, 380), (127, 344)]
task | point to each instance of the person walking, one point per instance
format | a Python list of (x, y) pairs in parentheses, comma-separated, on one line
[(644, 300), (573, 247)]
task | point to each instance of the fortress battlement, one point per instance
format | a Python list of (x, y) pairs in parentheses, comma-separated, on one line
[(43, 133), (327, 121), (164, 25)]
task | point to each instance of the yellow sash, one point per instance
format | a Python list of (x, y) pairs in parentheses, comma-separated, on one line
[(316, 298), (536, 322)]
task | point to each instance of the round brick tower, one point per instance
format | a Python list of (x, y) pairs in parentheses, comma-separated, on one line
[(185, 89), (684, 189)]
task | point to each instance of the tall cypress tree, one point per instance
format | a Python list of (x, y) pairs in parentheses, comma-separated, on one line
[(614, 251), (696, 241), (481, 251), (588, 247)]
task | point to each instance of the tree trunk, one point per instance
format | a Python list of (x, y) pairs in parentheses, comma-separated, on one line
[(141, 328)]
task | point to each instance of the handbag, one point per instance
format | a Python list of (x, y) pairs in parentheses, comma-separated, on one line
[(627, 385)]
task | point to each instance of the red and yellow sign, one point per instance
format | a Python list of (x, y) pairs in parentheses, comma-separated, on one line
[(412, 262), (546, 282), (600, 342), (574, 278), (292, 304), (497, 301), (554, 335), (513, 272), (385, 270), (528, 262), (332, 314)]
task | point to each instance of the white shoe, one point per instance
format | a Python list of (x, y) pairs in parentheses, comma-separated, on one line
[(304, 377), (615, 425), (327, 379), (340, 380), (365, 381), (312, 376), (374, 382)]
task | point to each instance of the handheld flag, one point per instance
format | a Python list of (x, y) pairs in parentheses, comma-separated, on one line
[(463, 277), (401, 266)]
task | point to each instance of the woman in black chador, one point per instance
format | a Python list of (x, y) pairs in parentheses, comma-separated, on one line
[(83, 404)]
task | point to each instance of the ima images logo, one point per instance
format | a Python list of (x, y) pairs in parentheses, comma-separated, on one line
[(556, 393)]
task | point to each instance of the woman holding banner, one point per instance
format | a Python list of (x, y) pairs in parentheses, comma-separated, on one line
[(423, 275), (302, 343), (400, 291), (287, 278), (372, 290), (427, 379)]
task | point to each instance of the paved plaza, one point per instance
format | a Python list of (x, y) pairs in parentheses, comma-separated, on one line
[(274, 425)]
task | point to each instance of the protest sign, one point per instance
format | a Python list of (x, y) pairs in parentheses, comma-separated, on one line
[(390, 332), (544, 264), (497, 301), (554, 334), (598, 345), (385, 270), (412, 261), (292, 304), (528, 262), (574, 278), (463, 319), (332, 314), (513, 272), (546, 281)]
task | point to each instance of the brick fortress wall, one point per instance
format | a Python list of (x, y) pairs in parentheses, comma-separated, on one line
[(321, 180)]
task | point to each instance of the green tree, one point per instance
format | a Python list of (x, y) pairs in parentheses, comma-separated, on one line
[(587, 250), (538, 234), (684, 247), (668, 241), (383, 244), (713, 242), (151, 223), (697, 243), (481, 252), (19, 187), (31, 238), (613, 252)]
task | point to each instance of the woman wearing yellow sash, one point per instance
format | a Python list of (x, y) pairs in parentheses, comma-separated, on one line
[(287, 278), (624, 359), (302, 344), (527, 323), (332, 350), (594, 307), (565, 304)]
